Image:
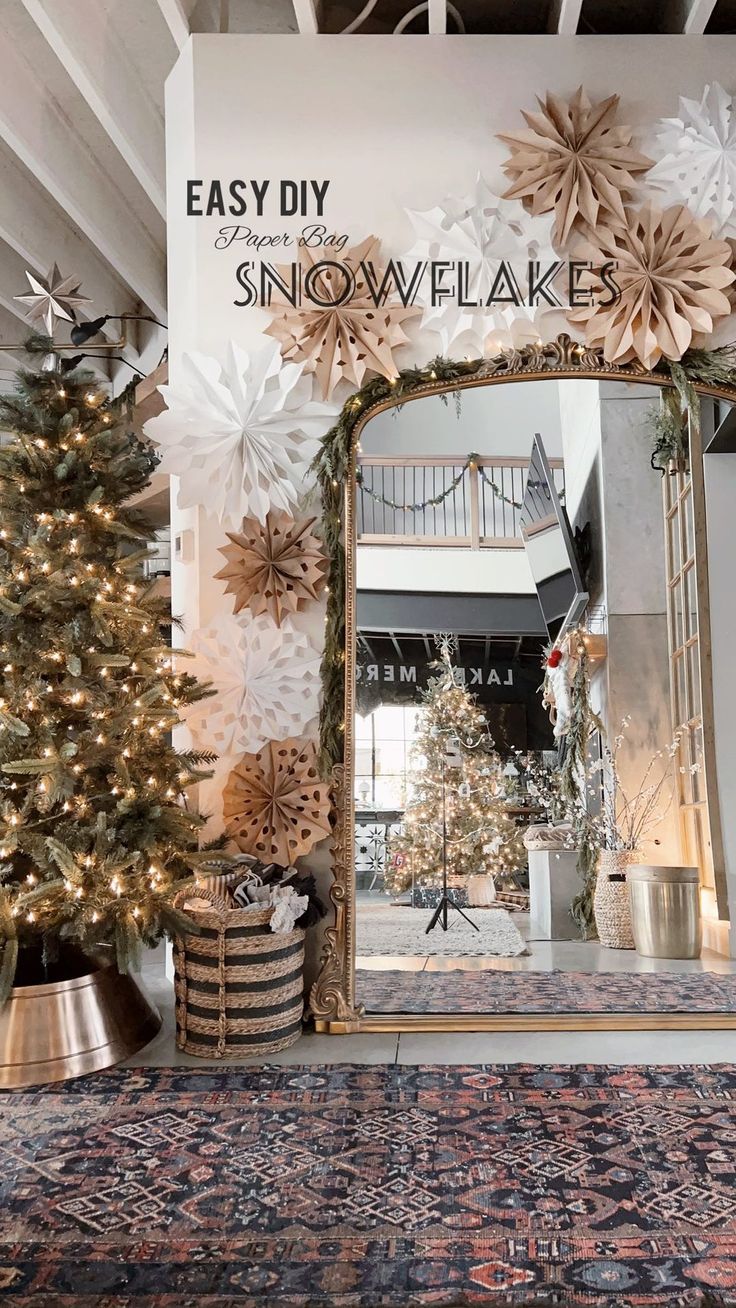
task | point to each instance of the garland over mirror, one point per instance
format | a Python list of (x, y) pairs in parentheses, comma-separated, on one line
[(675, 436)]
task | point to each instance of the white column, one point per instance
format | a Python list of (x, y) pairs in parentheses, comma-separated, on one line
[(611, 485), (720, 489)]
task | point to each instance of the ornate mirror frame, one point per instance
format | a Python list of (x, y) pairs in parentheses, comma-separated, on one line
[(333, 1002)]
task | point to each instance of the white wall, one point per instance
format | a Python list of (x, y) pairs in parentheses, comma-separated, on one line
[(466, 572), (720, 484), (611, 485), (491, 420), (580, 421), (391, 123)]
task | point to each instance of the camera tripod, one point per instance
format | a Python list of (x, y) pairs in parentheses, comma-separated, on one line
[(440, 914)]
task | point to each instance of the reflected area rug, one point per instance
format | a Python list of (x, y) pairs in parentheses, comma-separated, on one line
[(545, 992), (371, 1187), (399, 930)]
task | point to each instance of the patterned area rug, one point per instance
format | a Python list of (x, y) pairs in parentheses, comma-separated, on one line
[(371, 1187), (545, 992), (384, 929)]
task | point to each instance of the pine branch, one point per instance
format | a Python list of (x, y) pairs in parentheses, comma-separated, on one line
[(95, 838)]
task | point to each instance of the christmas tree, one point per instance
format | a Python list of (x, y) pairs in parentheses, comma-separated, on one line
[(454, 755), (95, 837)]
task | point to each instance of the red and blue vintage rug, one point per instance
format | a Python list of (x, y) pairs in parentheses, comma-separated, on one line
[(495, 991), (371, 1187)]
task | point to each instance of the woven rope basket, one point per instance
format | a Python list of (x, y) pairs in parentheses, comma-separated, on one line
[(611, 905), (239, 986)]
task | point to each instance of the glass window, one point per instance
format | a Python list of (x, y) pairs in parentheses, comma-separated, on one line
[(673, 534), (691, 603), (696, 760), (383, 756), (685, 779), (693, 658), (686, 512), (390, 757), (678, 638), (364, 729), (679, 689)]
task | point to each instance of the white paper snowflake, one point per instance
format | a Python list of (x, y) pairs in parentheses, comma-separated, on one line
[(696, 158), (266, 678), (240, 436), (482, 231)]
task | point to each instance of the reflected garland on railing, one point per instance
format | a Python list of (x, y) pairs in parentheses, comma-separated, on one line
[(332, 465), (505, 499), (472, 461)]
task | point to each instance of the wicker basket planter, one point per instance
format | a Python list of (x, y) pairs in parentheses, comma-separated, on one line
[(611, 905), (239, 986)]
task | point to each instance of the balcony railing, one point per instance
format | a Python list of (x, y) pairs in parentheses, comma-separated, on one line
[(473, 503)]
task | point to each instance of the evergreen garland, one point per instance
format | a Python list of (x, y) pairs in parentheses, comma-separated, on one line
[(435, 500), (583, 722), (669, 432)]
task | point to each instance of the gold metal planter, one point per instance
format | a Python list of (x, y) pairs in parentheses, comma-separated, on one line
[(665, 911), (62, 1029)]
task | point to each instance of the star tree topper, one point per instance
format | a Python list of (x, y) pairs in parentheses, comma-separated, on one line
[(52, 297)]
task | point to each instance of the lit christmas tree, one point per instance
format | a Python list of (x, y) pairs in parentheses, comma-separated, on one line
[(482, 836), (95, 837)]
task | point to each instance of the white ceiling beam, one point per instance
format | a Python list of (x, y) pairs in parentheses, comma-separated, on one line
[(42, 136), (38, 233), (437, 17), (13, 282), (564, 17), (10, 361), (88, 47), (176, 13), (8, 326), (690, 17), (307, 16)]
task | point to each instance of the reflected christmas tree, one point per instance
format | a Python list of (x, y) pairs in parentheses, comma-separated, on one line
[(455, 768)]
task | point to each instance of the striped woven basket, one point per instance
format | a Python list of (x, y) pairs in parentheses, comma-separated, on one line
[(239, 986)]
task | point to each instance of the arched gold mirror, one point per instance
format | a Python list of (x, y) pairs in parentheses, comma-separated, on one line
[(543, 502)]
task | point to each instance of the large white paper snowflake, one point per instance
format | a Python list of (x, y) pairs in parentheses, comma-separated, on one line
[(266, 680), (696, 158), (240, 436), (482, 232)]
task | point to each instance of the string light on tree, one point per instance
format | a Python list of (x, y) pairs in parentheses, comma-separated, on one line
[(79, 802), (482, 836)]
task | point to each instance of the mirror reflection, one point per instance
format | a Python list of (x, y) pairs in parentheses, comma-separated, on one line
[(498, 529)]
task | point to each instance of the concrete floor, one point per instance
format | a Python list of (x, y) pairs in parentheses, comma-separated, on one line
[(603, 1047), (544, 955), (551, 956)]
